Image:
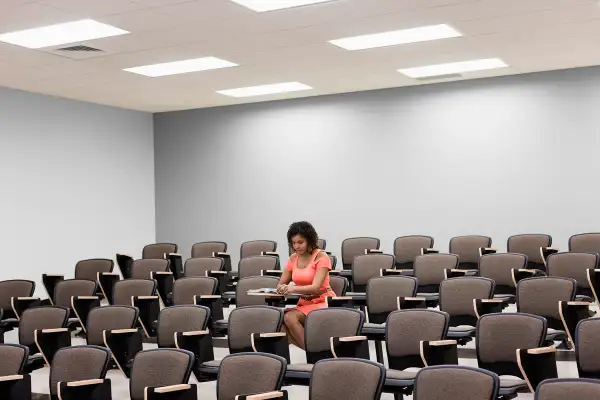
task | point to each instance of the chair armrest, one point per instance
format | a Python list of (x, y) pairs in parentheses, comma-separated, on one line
[(455, 273), (174, 254), (546, 251), (269, 253), (172, 388), (221, 254), (280, 394), (487, 306), (522, 273), (404, 303), (122, 331), (486, 250), (210, 273), (271, 272), (439, 352), (349, 346), (123, 344), (571, 313), (429, 251), (20, 304), (53, 330), (49, 341), (145, 297), (537, 365), (9, 378), (182, 391), (271, 343), (373, 251), (87, 382), (196, 333)]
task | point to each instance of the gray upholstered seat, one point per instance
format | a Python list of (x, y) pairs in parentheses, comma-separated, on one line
[(383, 292), (498, 267), (109, 318), (560, 389), (185, 289), (346, 378), (257, 247), (252, 265), (158, 250), (467, 249), (585, 243), (14, 357), (125, 289), (64, 290), (242, 298), (78, 363), (367, 266), (338, 284), (175, 319), (50, 317), (200, 266), (159, 367), (89, 269), (456, 383), (575, 266), (143, 268), (587, 349), (407, 248), (530, 245), (429, 271), (249, 373), (8, 290), (207, 249), (353, 247)]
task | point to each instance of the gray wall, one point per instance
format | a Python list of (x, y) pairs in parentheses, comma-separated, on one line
[(77, 181), (496, 157)]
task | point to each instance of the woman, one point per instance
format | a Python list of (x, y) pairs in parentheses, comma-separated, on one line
[(309, 269)]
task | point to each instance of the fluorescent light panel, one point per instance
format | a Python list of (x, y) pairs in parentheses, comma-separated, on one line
[(181, 67), (271, 5), (265, 89), (453, 68), (393, 38), (54, 35)]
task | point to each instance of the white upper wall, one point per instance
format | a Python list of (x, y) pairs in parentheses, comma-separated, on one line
[(494, 157), (77, 181)]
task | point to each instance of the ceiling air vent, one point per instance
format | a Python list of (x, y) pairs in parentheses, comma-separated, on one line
[(438, 77), (79, 48)]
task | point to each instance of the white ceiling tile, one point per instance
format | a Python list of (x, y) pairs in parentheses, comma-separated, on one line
[(93, 8), (31, 15), (141, 20)]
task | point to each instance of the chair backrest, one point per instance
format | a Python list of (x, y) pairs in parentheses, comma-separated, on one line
[(457, 295), (14, 357), (353, 247), (346, 378), (453, 382), (572, 265), (64, 290), (324, 323), (338, 284), (500, 335), (89, 269), (14, 288), (158, 250), (367, 266), (48, 317), (180, 319), (248, 373), (125, 289), (242, 298), (383, 293), (332, 260), (252, 265), (107, 318), (585, 243), (429, 268), (404, 331), (206, 249), (498, 267), (540, 296), (407, 248), (142, 269), (256, 247), (78, 363), (185, 289), (529, 244), (568, 388), (587, 349), (244, 321), (159, 367), (467, 248), (199, 266)]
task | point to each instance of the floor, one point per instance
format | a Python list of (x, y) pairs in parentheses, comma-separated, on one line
[(207, 391)]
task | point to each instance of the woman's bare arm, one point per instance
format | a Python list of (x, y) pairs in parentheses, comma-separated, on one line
[(317, 282), (286, 277)]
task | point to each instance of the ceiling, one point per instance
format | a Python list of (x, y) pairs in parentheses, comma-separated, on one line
[(285, 45)]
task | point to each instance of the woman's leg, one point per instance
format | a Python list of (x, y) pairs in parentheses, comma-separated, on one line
[(291, 339), (294, 323)]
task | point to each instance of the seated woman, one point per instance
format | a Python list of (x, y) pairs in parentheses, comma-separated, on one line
[(308, 268)]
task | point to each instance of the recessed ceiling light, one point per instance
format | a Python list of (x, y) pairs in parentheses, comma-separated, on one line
[(54, 35), (181, 67), (271, 5), (453, 68), (265, 89), (393, 38)]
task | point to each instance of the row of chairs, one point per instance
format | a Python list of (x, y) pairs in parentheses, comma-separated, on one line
[(507, 343)]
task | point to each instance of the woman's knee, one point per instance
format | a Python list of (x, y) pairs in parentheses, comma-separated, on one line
[(292, 318)]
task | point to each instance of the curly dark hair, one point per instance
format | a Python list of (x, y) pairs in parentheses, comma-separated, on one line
[(307, 231)]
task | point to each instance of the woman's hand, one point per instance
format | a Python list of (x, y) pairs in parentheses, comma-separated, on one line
[(282, 289)]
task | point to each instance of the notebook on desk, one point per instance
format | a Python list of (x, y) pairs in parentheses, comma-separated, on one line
[(263, 290)]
